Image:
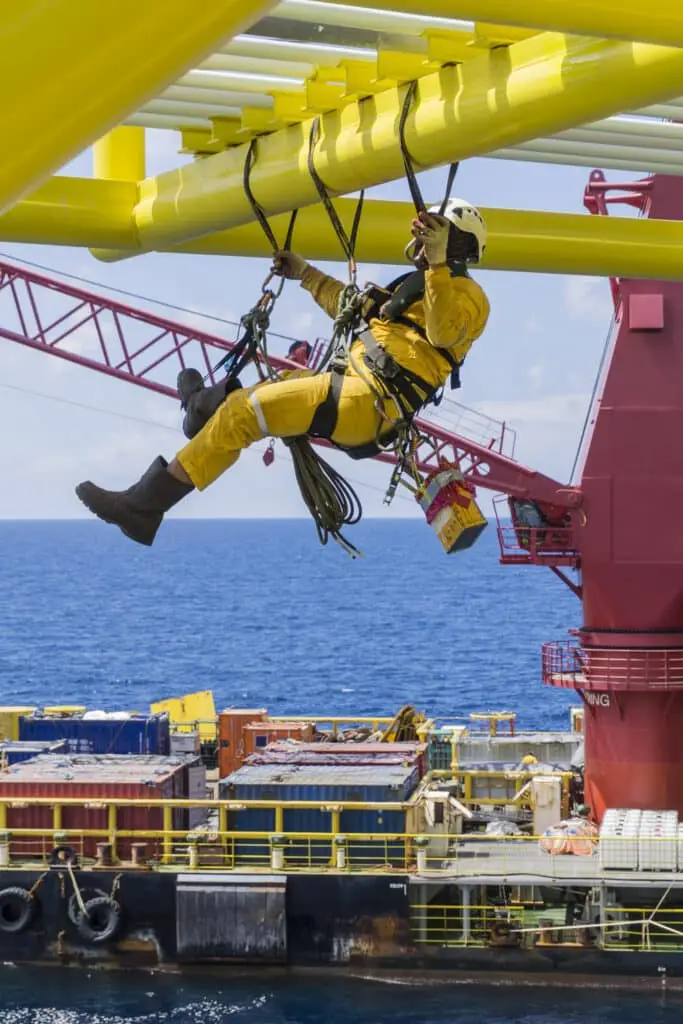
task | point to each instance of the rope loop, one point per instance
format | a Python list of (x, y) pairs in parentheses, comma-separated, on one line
[(413, 185), (347, 242)]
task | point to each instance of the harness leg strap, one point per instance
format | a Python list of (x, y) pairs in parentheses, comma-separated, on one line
[(325, 417)]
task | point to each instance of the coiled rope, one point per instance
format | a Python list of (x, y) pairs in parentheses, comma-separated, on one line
[(330, 499)]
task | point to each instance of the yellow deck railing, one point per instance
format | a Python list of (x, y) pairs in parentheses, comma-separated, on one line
[(629, 929)]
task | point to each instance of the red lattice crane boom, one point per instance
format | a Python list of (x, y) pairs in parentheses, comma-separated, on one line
[(139, 347)]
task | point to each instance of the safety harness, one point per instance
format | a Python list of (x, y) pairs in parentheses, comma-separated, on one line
[(410, 391)]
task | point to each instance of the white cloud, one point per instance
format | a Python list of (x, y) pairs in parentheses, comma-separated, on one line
[(587, 298)]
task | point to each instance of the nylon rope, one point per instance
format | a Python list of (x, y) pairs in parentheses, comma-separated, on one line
[(347, 242), (415, 191), (77, 891), (258, 210)]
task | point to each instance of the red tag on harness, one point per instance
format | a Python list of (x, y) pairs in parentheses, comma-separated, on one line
[(269, 454)]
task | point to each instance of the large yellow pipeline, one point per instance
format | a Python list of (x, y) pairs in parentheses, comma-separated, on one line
[(83, 212), (521, 240), (658, 22), (534, 88), (72, 69), (74, 211)]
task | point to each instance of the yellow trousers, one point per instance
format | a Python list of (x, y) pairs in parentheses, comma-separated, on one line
[(282, 409)]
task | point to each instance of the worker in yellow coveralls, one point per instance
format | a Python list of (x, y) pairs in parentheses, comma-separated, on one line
[(419, 330)]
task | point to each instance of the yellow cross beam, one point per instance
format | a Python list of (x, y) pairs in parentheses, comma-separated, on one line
[(72, 69), (534, 88)]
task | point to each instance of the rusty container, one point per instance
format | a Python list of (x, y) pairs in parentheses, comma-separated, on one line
[(411, 754), (231, 723), (258, 735), (91, 778)]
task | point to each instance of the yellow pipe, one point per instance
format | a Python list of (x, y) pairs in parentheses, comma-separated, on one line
[(73, 211), (120, 155), (111, 826), (661, 22), (72, 69), (536, 87), (83, 212), (520, 240), (167, 843)]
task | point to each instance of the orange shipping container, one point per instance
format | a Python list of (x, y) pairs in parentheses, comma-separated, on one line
[(231, 749)]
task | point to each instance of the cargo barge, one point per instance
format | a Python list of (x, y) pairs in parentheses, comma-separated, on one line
[(249, 840)]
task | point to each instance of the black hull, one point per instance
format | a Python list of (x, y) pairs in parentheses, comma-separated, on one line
[(358, 924)]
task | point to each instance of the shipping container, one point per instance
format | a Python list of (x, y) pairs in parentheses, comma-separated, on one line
[(259, 735), (284, 752), (9, 720), (14, 751), (93, 778), (185, 743), (331, 784), (101, 732), (231, 724)]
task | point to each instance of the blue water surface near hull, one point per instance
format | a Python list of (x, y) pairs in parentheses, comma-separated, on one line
[(80, 997)]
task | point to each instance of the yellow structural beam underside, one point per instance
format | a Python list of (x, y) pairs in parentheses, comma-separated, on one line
[(72, 69), (536, 87), (80, 212), (659, 22)]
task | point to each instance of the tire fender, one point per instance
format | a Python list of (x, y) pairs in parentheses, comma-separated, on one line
[(17, 910), (60, 856), (101, 921)]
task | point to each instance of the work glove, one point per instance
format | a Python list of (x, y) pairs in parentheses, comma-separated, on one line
[(289, 264), (431, 231)]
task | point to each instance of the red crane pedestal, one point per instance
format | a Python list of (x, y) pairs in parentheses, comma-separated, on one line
[(628, 663)]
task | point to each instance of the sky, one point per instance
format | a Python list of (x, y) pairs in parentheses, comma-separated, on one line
[(533, 367)]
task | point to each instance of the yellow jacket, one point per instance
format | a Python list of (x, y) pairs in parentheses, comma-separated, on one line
[(453, 313)]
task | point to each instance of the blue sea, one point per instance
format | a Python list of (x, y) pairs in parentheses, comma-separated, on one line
[(263, 615)]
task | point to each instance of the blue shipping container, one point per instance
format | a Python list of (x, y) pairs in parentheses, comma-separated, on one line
[(14, 751), (136, 734), (329, 783)]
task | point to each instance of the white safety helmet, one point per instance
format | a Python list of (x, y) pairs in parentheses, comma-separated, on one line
[(467, 218)]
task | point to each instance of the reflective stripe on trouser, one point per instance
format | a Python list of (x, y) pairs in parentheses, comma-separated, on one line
[(283, 409)]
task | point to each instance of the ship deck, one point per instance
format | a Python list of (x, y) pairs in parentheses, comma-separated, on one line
[(499, 861)]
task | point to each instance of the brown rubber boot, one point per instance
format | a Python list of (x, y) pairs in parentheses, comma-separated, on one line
[(139, 510)]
